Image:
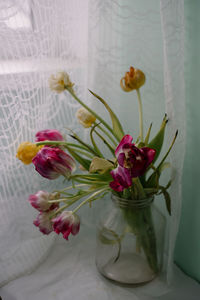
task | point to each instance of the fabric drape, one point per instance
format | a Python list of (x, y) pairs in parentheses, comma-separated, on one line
[(95, 42)]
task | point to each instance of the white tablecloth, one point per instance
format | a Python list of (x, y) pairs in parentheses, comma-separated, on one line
[(69, 272)]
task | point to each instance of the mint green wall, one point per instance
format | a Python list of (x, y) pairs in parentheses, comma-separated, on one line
[(187, 254)]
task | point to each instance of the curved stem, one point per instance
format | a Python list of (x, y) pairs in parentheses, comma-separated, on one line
[(90, 198), (91, 111), (140, 114), (108, 135)]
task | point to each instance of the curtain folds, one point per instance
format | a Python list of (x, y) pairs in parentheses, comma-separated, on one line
[(95, 42)]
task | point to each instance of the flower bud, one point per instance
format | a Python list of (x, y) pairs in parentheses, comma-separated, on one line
[(133, 80), (59, 82), (66, 223), (85, 117), (27, 151), (53, 162), (44, 223), (40, 201), (48, 135)]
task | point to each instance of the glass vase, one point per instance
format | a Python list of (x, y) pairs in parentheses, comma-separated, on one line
[(130, 241)]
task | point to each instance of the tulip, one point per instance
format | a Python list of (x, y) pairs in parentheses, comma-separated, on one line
[(85, 117), (135, 159), (48, 134), (27, 151), (60, 82), (132, 80), (53, 162), (44, 223), (40, 201), (122, 179), (66, 223)]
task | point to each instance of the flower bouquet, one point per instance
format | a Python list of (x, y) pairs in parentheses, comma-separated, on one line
[(129, 172)]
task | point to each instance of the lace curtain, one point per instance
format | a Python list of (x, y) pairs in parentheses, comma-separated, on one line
[(95, 42)]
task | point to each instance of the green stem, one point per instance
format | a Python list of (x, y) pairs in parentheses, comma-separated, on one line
[(139, 187), (82, 152), (92, 112), (90, 198), (140, 114), (108, 135)]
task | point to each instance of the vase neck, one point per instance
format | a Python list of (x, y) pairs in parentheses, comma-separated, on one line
[(139, 203)]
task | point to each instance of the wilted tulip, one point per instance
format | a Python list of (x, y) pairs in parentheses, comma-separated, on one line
[(122, 179), (132, 80), (53, 162), (40, 200), (85, 118), (132, 158), (43, 222), (27, 151), (48, 134), (66, 223), (60, 82)]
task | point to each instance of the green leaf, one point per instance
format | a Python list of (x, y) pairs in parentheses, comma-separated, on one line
[(93, 141), (117, 127), (83, 161), (167, 199), (148, 135), (112, 150), (157, 142), (154, 178)]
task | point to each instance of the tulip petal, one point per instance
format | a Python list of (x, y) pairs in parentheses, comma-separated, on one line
[(125, 140), (122, 179)]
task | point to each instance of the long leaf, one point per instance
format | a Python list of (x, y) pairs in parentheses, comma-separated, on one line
[(93, 141), (117, 127), (157, 142), (84, 162)]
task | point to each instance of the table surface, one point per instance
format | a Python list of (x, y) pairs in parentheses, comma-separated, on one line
[(69, 272)]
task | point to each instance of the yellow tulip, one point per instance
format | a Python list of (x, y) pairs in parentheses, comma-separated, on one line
[(27, 151), (132, 80)]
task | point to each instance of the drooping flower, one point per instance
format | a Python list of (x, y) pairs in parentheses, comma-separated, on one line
[(40, 200), (132, 80), (53, 162), (48, 134), (85, 118), (59, 82), (66, 223), (43, 222), (135, 159), (122, 179), (27, 151)]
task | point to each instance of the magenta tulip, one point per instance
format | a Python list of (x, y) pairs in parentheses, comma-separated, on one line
[(43, 222), (135, 159), (40, 200), (122, 179), (48, 134), (66, 223), (53, 162)]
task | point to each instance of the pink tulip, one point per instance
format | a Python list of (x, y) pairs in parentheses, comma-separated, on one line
[(122, 179), (44, 223), (53, 162), (135, 159), (48, 134), (66, 223), (40, 201)]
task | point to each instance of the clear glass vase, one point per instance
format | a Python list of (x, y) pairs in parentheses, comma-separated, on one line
[(130, 241)]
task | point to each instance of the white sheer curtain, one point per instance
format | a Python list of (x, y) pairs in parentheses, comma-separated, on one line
[(95, 42)]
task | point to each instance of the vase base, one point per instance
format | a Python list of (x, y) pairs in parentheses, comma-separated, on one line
[(128, 269)]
